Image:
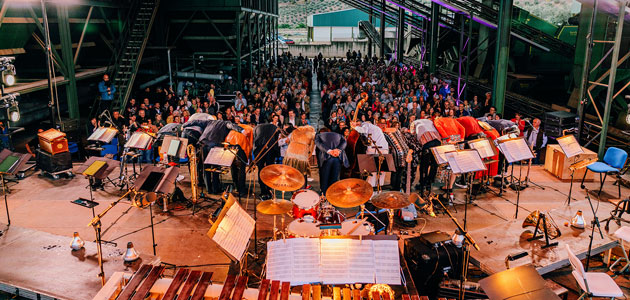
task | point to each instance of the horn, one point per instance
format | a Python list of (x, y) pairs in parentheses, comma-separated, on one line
[(130, 254), (578, 220), (533, 220), (192, 158), (143, 200), (77, 243)]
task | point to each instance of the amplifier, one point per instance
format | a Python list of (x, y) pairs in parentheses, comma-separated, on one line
[(556, 131), (560, 118), (53, 163), (430, 260)]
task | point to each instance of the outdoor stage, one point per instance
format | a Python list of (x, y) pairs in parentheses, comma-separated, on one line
[(35, 253)]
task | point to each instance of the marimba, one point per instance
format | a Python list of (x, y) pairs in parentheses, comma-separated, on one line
[(146, 283)]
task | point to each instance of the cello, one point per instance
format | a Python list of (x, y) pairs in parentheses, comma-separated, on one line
[(356, 144)]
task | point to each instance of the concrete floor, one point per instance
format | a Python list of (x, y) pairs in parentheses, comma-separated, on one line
[(43, 204)]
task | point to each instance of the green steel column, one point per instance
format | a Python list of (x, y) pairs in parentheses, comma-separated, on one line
[(68, 60), (382, 50), (371, 19), (435, 19), (238, 48), (401, 34), (611, 78), (502, 54), (582, 59), (258, 38), (249, 45)]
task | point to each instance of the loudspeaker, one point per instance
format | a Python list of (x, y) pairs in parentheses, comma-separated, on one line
[(430, 263), (53, 163)]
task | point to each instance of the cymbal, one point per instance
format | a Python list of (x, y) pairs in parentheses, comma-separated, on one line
[(391, 200), (282, 177), (350, 192), (274, 207)]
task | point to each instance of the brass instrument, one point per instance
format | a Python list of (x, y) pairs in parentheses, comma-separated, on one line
[(192, 160), (142, 199), (582, 164), (533, 220)]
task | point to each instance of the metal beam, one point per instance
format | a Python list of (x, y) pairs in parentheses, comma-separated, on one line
[(87, 21), (181, 32), (238, 47), (219, 32), (382, 50), (611, 78), (502, 54), (250, 67), (108, 24), (57, 58), (209, 38), (435, 29), (401, 35), (66, 51), (3, 11)]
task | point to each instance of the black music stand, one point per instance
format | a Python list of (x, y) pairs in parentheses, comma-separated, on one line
[(520, 283), (10, 164), (155, 179), (173, 146), (571, 148), (371, 163), (516, 150), (92, 171)]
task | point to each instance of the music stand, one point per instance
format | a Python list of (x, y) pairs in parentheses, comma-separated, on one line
[(516, 150), (520, 283), (439, 153), (486, 149), (174, 146), (155, 179), (571, 148), (232, 229), (94, 168), (369, 163), (463, 162), (219, 157), (10, 164), (141, 141)]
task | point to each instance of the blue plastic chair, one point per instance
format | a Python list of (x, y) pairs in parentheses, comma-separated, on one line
[(614, 160)]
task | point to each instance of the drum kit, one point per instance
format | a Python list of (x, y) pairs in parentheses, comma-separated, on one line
[(315, 215)]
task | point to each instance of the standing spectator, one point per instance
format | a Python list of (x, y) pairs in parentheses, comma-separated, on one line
[(107, 90), (537, 140)]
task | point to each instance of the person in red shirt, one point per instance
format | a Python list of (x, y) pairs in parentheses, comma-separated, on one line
[(518, 120), (449, 127), (471, 127)]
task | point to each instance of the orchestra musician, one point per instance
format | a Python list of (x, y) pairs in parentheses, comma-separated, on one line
[(378, 145), (400, 148), (266, 150), (331, 156), (428, 137), (452, 132), (301, 146), (242, 143)]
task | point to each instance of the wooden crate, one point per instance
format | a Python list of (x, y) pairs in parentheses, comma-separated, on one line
[(558, 164)]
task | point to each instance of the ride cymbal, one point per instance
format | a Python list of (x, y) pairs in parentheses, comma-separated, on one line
[(273, 207), (349, 192), (282, 178), (391, 200)]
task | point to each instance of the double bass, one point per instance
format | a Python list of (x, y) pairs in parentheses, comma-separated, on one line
[(356, 144)]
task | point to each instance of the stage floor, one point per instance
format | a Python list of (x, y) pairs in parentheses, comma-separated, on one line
[(43, 204)]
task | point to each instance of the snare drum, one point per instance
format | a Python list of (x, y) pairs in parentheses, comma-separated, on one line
[(303, 228), (366, 228), (305, 203), (329, 215)]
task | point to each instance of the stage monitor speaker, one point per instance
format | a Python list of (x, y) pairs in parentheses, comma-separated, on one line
[(428, 264), (53, 163)]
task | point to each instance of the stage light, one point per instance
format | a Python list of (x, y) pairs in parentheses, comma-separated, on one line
[(77, 243), (8, 70), (628, 111), (14, 113), (8, 79), (130, 254)]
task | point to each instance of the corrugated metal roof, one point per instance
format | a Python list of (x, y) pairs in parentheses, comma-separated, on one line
[(343, 18)]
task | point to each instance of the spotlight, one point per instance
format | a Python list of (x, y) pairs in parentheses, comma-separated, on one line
[(8, 79), (14, 113), (628, 112), (8, 70)]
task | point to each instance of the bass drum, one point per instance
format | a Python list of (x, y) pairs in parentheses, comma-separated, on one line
[(305, 202), (305, 227)]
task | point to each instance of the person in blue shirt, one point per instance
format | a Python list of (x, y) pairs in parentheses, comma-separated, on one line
[(107, 90)]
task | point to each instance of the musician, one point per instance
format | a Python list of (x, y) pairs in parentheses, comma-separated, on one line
[(504, 126), (331, 156), (537, 140), (214, 135), (400, 148), (301, 145), (242, 146), (428, 137), (472, 130), (449, 128), (266, 151), (379, 144)]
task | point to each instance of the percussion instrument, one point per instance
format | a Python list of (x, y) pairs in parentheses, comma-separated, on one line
[(349, 192), (274, 207), (282, 177), (304, 227), (582, 164), (360, 228), (197, 285), (391, 200), (329, 215), (305, 203)]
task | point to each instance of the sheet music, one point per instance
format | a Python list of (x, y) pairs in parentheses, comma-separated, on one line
[(234, 231), (334, 261), (570, 146), (439, 151), (516, 150), (219, 156), (306, 261), (133, 140), (465, 161), (483, 147), (96, 134), (279, 260), (387, 261), (361, 261)]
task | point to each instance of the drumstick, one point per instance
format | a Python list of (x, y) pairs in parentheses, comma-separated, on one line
[(356, 226)]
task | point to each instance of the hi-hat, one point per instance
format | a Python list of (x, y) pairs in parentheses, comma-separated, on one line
[(349, 192), (391, 200), (274, 207), (282, 177)]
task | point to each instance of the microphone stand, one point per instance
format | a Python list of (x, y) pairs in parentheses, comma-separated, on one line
[(381, 158), (468, 240), (594, 223)]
